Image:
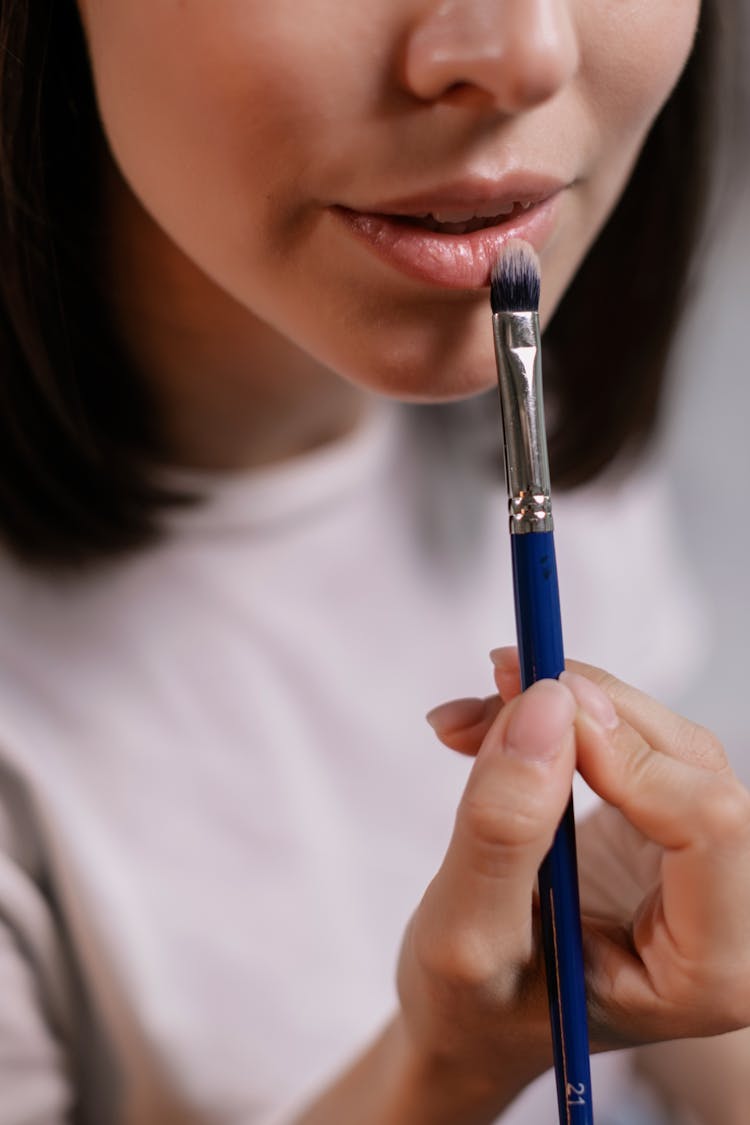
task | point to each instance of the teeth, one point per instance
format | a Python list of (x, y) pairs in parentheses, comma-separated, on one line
[(490, 211), (463, 222)]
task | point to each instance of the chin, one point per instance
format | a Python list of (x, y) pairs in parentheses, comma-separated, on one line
[(423, 364), (419, 383), (435, 392)]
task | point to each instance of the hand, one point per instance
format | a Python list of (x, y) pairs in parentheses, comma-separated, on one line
[(665, 876)]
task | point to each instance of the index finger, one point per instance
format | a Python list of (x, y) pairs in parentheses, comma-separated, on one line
[(663, 729), (698, 917)]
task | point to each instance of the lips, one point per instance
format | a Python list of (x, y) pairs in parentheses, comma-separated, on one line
[(452, 237)]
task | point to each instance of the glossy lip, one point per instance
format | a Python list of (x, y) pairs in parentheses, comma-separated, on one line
[(473, 192), (457, 261)]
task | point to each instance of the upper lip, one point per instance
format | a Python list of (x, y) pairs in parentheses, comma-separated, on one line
[(476, 196)]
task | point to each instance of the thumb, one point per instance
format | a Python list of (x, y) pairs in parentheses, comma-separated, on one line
[(514, 800)]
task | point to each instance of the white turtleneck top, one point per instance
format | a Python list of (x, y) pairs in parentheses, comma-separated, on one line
[(219, 799)]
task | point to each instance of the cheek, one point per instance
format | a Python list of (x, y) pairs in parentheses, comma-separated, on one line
[(233, 121), (215, 111), (232, 124), (169, 94), (635, 52)]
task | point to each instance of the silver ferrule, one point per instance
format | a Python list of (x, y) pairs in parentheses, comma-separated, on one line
[(519, 375)]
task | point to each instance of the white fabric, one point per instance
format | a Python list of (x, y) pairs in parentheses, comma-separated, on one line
[(219, 800)]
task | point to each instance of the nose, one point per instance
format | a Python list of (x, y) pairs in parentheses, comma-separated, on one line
[(508, 54)]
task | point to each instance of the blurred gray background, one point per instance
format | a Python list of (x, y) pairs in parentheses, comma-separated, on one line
[(706, 444)]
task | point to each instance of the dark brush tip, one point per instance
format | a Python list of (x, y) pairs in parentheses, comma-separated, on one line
[(516, 279)]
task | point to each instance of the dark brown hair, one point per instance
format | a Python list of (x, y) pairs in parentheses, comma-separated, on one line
[(626, 299), (79, 432)]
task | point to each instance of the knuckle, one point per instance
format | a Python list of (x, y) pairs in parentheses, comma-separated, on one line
[(731, 1007), (737, 1004), (465, 965), (457, 959), (610, 685), (483, 970), (727, 1010), (698, 745), (642, 764), (724, 813), (509, 826)]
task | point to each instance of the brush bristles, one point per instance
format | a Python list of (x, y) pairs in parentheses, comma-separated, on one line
[(516, 281)]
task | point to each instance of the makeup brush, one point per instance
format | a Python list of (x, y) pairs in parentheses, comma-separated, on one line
[(514, 296)]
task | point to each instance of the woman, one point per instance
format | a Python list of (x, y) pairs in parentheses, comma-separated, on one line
[(221, 255)]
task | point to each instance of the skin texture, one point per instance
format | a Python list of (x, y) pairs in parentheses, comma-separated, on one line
[(665, 874), (663, 865), (235, 126)]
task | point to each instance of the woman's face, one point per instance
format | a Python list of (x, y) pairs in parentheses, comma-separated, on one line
[(292, 151)]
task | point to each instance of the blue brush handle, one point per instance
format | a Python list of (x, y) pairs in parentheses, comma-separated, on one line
[(539, 631)]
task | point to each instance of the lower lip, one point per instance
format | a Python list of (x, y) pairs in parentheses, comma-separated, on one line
[(453, 261)]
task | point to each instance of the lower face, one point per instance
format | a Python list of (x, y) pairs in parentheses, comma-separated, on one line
[(283, 152)]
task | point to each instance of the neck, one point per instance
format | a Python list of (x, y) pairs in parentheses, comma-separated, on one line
[(232, 392)]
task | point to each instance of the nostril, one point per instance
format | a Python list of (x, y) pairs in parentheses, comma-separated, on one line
[(467, 94)]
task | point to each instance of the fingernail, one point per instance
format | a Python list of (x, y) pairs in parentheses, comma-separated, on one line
[(592, 699), (505, 658), (455, 715), (541, 722)]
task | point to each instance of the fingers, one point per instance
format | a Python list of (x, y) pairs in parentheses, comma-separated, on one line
[(666, 731), (617, 865), (692, 932), (700, 814), (507, 671), (479, 904), (462, 724), (669, 778)]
